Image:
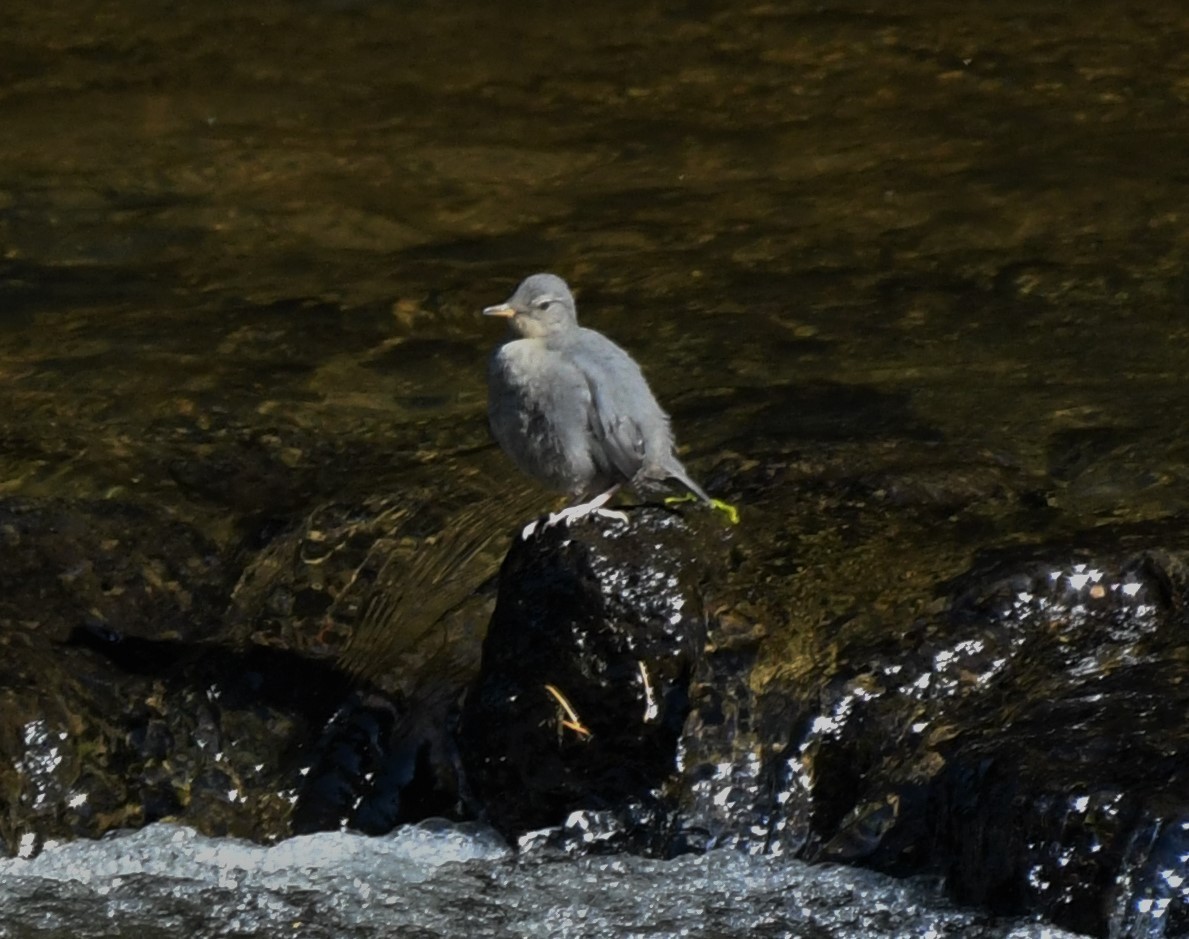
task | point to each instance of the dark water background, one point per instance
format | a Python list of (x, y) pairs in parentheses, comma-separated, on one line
[(285, 216), (243, 249)]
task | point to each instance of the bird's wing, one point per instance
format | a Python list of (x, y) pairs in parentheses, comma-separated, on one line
[(620, 442), (620, 401)]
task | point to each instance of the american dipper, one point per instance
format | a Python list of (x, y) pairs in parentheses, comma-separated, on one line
[(571, 408)]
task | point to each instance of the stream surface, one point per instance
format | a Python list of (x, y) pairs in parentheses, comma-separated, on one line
[(243, 243), (434, 880), (291, 215)]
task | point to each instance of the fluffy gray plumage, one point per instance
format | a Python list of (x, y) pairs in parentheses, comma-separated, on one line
[(569, 406)]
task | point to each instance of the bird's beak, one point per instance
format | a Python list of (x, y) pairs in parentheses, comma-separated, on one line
[(500, 309)]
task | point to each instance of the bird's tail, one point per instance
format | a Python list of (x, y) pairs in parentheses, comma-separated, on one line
[(678, 473)]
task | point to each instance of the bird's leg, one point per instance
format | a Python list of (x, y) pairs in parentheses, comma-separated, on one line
[(583, 509), (573, 513)]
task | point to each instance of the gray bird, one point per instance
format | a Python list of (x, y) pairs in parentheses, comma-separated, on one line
[(571, 408)]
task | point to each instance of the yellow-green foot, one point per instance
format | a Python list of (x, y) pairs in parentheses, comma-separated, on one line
[(726, 508)]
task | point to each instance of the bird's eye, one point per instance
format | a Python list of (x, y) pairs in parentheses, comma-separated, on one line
[(542, 303)]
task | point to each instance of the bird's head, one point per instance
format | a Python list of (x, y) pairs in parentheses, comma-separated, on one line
[(541, 306)]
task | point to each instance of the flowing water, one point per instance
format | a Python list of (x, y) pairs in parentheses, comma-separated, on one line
[(437, 881), (280, 216), (261, 233)]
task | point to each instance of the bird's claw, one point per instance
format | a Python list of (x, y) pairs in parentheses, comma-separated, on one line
[(576, 512), (727, 509), (596, 506)]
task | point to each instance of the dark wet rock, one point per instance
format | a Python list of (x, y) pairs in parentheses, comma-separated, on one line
[(1072, 796), (107, 732), (140, 681), (1028, 741), (378, 764), (587, 666), (726, 791), (391, 594), (87, 747), (1023, 735), (1015, 721)]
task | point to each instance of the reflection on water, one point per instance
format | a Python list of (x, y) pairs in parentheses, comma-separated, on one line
[(291, 214), (936, 250)]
